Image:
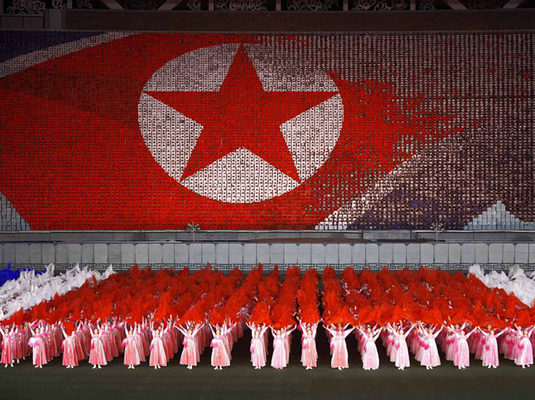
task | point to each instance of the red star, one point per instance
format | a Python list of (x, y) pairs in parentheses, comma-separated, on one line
[(241, 114)]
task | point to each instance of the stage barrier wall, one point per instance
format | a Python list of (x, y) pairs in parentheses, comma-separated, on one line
[(226, 255)]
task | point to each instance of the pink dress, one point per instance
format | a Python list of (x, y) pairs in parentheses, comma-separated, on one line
[(278, 360), (220, 356), (461, 355), (158, 356), (258, 348), (400, 351), (429, 356), (339, 358), (401, 354), (490, 351), (190, 352), (370, 357), (131, 354), (70, 357), (309, 354), (97, 356), (39, 351), (7, 351), (524, 356)]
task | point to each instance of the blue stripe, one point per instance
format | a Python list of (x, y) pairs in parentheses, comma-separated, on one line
[(16, 43)]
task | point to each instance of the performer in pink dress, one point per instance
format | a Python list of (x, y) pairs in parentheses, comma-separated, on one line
[(70, 356), (279, 357), (220, 350), (429, 356), (158, 356), (309, 354), (131, 353), (339, 358), (190, 351), (369, 354), (491, 357), (258, 345), (400, 352), (97, 356), (461, 355), (7, 350), (37, 342), (524, 355)]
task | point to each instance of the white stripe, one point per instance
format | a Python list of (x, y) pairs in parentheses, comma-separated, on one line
[(24, 61)]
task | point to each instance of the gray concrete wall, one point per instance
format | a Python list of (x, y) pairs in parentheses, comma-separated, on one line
[(445, 255)]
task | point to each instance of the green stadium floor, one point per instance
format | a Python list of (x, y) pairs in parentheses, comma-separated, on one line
[(242, 381)]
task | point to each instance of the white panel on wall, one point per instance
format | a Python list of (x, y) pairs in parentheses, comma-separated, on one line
[(372, 253), (74, 253), (454, 253), (263, 253), (358, 253), (303, 253), (168, 253), (495, 253), (235, 253), (531, 257), (208, 253), (290, 253), (48, 254), (521, 253), (481, 253), (331, 253), (22, 253), (508, 253), (249, 253), (386, 253), (427, 255), (9, 253), (468, 253), (61, 253), (141, 252), (413, 253), (277, 253), (318, 253), (441, 253), (181, 253), (195, 253), (128, 253), (400, 253), (155, 253), (344, 253), (35, 253), (114, 253), (221, 253)]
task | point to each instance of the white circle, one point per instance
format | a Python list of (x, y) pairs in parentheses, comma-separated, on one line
[(240, 176)]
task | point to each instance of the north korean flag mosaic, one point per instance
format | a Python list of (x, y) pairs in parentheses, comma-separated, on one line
[(265, 131)]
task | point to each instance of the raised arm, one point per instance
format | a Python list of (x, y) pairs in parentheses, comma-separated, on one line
[(470, 333), (197, 329), (435, 334), (348, 331), (408, 331)]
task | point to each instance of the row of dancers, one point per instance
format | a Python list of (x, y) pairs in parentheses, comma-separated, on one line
[(100, 343)]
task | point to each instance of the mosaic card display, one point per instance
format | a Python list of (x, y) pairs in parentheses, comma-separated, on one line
[(265, 131)]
